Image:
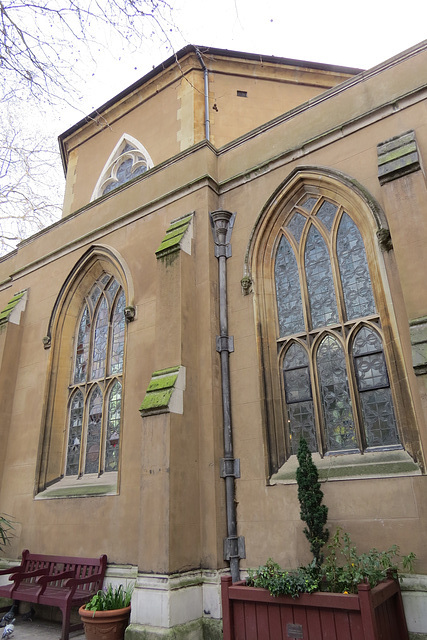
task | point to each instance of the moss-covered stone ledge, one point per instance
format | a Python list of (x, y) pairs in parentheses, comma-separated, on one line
[(178, 237), (397, 157), (354, 466), (14, 308), (165, 392)]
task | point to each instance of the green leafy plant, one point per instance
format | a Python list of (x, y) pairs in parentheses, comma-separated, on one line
[(6, 530), (344, 568), (310, 496), (278, 582), (111, 598)]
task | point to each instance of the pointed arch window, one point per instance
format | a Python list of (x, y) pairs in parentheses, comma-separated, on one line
[(95, 393), (336, 388), (128, 160)]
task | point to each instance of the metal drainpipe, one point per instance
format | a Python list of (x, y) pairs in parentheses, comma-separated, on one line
[(234, 547), (206, 81)]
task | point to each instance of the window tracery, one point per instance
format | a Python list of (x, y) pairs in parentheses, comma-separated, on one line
[(336, 389), (128, 160)]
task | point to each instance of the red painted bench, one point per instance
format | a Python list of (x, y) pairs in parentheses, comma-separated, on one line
[(58, 581)]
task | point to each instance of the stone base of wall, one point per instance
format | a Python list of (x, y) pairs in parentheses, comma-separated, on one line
[(184, 605), (414, 596), (203, 629)]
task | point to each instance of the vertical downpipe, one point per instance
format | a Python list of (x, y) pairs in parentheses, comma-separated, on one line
[(206, 85), (222, 225)]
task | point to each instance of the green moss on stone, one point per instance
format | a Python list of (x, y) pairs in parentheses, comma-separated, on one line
[(78, 492), (201, 629), (163, 382), (172, 240), (159, 390), (5, 313)]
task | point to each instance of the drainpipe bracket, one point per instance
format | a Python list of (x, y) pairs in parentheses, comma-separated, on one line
[(234, 547), (223, 250), (229, 467), (225, 343)]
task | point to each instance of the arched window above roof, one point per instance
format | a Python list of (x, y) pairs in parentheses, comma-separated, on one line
[(128, 160)]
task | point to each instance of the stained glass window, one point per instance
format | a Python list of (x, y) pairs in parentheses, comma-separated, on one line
[(82, 351), (95, 393), (118, 341), (336, 390), (374, 389), (299, 398), (113, 428), (75, 434), (320, 284), (356, 281), (93, 438), (335, 396), (130, 164), (289, 301)]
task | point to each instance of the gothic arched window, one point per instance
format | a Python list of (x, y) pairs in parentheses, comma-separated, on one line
[(129, 159), (336, 389), (95, 392)]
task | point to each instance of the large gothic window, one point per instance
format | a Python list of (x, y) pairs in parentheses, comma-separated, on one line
[(335, 383), (95, 390)]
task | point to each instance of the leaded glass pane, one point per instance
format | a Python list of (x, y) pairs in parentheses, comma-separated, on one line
[(82, 349), (308, 204), (367, 341), (111, 291), (355, 278), (124, 171), (118, 341), (374, 388), (74, 435), (298, 398), (296, 225), (335, 396), (94, 294), (113, 428), (320, 285), (93, 440), (289, 304), (378, 417), (100, 340), (327, 213)]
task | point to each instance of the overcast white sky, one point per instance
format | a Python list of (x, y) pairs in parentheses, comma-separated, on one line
[(359, 35)]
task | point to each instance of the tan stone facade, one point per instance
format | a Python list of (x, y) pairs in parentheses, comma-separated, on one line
[(281, 132)]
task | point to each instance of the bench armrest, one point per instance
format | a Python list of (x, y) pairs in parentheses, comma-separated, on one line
[(43, 580), (16, 569), (25, 575), (73, 583)]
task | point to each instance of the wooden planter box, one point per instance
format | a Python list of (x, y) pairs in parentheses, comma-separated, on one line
[(371, 614)]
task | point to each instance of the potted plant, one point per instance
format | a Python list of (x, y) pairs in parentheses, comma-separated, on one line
[(345, 596), (106, 615)]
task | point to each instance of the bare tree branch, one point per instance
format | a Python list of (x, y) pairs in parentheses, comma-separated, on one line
[(44, 45)]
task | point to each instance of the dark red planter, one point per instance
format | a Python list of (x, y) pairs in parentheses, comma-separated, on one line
[(372, 614)]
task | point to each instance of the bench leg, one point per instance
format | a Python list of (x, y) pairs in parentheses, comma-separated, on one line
[(66, 615)]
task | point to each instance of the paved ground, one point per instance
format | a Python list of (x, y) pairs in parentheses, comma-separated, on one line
[(40, 630)]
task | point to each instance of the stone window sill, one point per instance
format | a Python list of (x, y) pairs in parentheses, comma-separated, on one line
[(88, 486), (353, 466)]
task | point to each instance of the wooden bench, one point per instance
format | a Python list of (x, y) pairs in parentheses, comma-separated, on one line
[(58, 581)]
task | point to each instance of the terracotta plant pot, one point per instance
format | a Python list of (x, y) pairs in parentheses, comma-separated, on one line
[(105, 625)]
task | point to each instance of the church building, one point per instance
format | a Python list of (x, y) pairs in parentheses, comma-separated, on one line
[(240, 262)]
